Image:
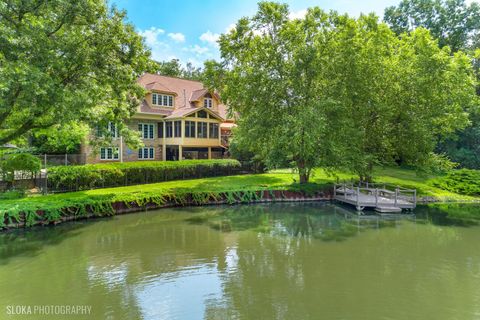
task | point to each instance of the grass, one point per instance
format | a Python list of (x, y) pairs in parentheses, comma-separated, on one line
[(275, 180)]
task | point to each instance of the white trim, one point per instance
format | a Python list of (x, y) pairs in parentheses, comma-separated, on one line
[(162, 99)]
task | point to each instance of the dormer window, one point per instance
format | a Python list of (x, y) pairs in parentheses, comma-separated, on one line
[(207, 102), (162, 100)]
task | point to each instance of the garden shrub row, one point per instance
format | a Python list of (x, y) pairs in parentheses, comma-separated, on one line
[(463, 181), (92, 176)]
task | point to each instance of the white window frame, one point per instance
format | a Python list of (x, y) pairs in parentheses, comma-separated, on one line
[(150, 130), (113, 129), (208, 103), (162, 100), (115, 156), (150, 153)]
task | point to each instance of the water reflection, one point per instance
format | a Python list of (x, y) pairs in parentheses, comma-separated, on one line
[(308, 220), (281, 261)]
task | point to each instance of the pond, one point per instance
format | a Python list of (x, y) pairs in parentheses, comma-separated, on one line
[(265, 261)]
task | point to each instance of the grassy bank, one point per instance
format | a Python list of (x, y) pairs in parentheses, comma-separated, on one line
[(99, 200)]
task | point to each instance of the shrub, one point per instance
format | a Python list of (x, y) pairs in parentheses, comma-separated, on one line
[(23, 163), (90, 176), (463, 181)]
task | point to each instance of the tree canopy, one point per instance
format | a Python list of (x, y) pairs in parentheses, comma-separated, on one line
[(333, 91), (174, 68), (453, 22), (63, 61)]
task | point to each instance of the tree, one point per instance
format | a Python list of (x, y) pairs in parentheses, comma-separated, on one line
[(63, 61), (457, 25), (329, 90), (273, 83), (452, 22), (174, 68), (60, 139)]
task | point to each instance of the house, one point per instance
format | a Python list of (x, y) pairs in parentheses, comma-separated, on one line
[(178, 119)]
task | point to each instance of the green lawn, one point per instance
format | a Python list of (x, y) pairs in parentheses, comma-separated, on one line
[(278, 180)]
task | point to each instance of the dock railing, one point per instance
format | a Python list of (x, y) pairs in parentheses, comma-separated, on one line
[(357, 192)]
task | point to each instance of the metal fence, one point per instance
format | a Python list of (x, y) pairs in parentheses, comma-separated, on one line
[(50, 160)]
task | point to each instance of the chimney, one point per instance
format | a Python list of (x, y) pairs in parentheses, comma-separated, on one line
[(184, 98)]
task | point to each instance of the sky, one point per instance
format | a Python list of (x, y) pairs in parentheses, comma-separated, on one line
[(188, 29)]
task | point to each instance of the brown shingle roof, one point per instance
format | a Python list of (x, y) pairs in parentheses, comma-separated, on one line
[(181, 87), (197, 94), (144, 108), (185, 91)]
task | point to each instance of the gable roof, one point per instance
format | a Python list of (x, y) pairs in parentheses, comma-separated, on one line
[(179, 113), (186, 93), (181, 87)]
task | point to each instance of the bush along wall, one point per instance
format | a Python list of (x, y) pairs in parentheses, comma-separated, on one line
[(93, 176), (66, 209)]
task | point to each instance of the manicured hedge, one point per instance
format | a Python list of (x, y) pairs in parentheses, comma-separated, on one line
[(91, 176), (463, 181)]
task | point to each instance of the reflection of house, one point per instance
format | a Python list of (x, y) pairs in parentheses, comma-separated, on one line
[(178, 119)]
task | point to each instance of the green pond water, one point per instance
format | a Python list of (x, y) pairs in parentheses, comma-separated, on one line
[(280, 261)]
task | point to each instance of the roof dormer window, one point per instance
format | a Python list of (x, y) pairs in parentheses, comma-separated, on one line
[(162, 100), (207, 102)]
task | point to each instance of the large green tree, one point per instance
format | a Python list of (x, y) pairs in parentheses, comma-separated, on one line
[(63, 61), (330, 90), (273, 81), (455, 24)]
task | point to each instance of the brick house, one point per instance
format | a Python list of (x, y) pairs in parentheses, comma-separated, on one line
[(178, 119)]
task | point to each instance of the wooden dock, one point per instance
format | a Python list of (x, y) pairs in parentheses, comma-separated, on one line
[(382, 197)]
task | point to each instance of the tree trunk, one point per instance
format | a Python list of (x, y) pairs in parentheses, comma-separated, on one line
[(303, 172)]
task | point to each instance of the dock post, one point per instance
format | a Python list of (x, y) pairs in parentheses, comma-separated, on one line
[(334, 190), (358, 200), (415, 198), (396, 196), (376, 197), (345, 191)]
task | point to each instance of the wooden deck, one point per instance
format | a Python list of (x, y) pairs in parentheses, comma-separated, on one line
[(383, 198)]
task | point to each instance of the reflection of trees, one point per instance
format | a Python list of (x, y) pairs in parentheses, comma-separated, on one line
[(410, 271), (310, 220), (447, 214)]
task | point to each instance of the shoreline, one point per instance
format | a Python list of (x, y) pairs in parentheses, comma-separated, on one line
[(44, 214), (102, 209)]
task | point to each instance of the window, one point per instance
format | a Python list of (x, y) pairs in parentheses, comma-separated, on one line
[(178, 129), (190, 129), (112, 130), (109, 154), (163, 100), (168, 129), (146, 153), (207, 102), (213, 134), (146, 130), (202, 114), (202, 130)]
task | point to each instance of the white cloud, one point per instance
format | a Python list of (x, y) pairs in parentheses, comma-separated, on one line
[(151, 35), (210, 38), (198, 50), (230, 27), (300, 14), (177, 36)]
